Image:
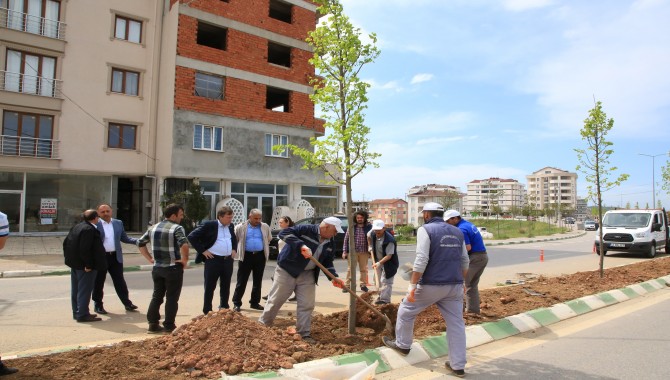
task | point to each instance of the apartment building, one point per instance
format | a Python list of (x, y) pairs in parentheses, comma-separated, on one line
[(392, 211), (124, 101), (552, 188), (485, 194), (448, 196)]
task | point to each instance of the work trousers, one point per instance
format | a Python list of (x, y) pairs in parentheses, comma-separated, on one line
[(253, 262), (81, 283), (449, 301), (283, 285), (385, 285), (478, 261), (217, 269), (115, 269), (362, 262), (167, 284)]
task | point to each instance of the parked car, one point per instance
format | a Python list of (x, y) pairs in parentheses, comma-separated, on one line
[(485, 234), (339, 238), (590, 225), (569, 220)]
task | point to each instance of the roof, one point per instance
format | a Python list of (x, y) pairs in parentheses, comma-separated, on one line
[(382, 201)]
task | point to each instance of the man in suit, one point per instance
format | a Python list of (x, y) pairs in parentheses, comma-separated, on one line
[(112, 233), (85, 255), (215, 243), (253, 245)]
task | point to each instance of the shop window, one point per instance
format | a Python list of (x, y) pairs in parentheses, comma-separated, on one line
[(271, 140), (277, 99), (212, 36), (125, 82), (279, 54), (207, 138)]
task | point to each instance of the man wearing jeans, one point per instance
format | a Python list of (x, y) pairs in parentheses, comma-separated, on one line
[(169, 247), (474, 243)]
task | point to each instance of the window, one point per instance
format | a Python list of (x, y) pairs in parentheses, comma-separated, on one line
[(33, 16), (26, 134), (279, 54), (128, 29), (30, 73), (277, 99), (208, 86), (272, 140), (122, 136), (212, 36), (207, 138), (280, 10), (125, 82)]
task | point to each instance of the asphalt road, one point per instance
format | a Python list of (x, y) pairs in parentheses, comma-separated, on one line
[(35, 313)]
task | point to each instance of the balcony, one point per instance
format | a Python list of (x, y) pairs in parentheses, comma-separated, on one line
[(29, 84), (32, 24), (29, 147)]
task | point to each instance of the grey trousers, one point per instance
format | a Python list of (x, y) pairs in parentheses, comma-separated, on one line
[(478, 262), (385, 285), (282, 286), (449, 300)]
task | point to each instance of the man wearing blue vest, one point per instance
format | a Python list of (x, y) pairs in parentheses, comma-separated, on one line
[(474, 243), (384, 251), (440, 266)]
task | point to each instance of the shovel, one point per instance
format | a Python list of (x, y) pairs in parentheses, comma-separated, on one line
[(389, 325)]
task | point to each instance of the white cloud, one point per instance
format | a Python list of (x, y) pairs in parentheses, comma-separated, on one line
[(418, 78), (390, 85), (524, 5)]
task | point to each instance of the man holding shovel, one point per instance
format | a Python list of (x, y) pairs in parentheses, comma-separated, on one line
[(384, 259), (440, 266), (297, 271)]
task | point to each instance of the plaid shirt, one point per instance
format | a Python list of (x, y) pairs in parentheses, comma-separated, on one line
[(360, 240), (166, 238)]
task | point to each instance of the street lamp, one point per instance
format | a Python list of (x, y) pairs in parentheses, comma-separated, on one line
[(653, 175)]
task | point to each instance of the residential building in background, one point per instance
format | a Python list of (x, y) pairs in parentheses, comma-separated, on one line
[(357, 206), (483, 195), (448, 196), (392, 211), (582, 211), (124, 101), (552, 189)]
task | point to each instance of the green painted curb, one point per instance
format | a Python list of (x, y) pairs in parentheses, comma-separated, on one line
[(261, 375), (629, 292), (607, 298), (56, 273), (544, 316), (648, 287), (500, 329), (134, 268), (368, 356), (436, 346), (579, 306)]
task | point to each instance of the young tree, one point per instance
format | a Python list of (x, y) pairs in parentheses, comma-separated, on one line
[(341, 95), (449, 199), (594, 163)]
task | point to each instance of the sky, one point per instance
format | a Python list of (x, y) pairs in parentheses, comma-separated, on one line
[(473, 89)]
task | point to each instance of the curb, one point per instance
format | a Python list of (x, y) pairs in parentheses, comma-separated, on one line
[(66, 271), (436, 346)]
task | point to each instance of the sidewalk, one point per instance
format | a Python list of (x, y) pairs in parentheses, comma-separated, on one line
[(25, 256)]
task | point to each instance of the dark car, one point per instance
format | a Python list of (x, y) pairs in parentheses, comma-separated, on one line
[(339, 238)]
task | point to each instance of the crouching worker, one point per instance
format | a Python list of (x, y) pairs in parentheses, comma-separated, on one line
[(295, 271), (384, 252)]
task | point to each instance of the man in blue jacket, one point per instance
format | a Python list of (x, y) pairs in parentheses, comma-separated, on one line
[(297, 273), (112, 234), (474, 243), (216, 245)]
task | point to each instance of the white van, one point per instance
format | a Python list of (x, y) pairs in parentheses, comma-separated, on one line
[(643, 231)]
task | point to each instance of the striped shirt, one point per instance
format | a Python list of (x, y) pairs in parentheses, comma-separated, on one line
[(166, 238)]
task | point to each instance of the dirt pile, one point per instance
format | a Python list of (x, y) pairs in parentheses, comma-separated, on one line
[(230, 342)]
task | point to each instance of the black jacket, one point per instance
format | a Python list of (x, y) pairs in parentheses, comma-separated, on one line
[(83, 248), (204, 237)]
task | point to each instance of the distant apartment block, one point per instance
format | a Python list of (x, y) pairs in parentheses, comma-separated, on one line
[(552, 188), (122, 102), (392, 211), (417, 196), (483, 195)]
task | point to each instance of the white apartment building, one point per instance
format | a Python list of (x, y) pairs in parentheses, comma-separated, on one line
[(552, 188), (484, 194), (446, 195)]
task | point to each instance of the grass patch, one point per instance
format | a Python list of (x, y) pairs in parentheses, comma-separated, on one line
[(510, 229)]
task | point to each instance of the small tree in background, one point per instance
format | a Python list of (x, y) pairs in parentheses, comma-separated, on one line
[(594, 163), (195, 205), (449, 199)]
